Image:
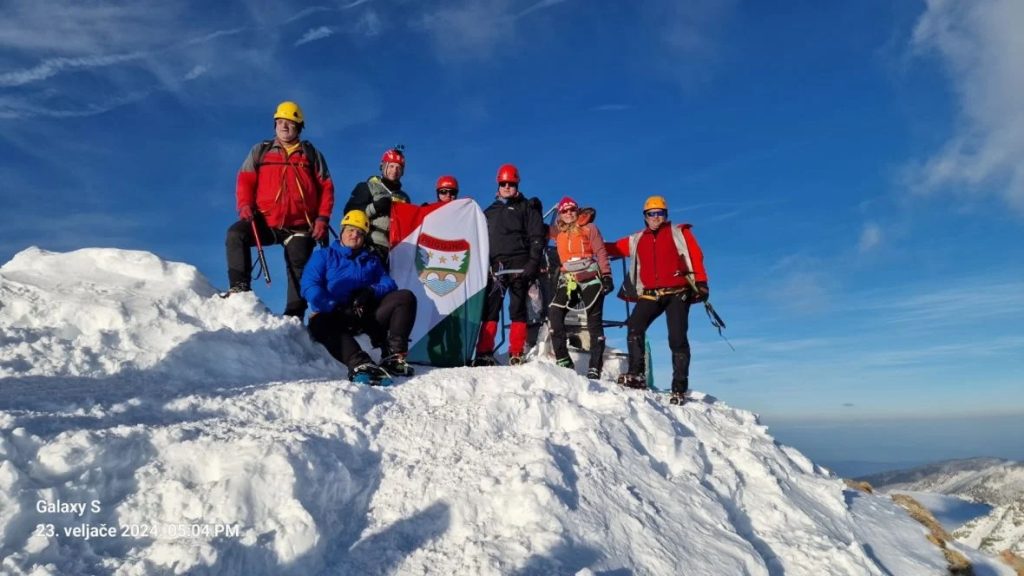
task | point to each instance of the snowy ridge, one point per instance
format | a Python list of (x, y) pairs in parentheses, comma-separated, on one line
[(167, 426), (988, 480)]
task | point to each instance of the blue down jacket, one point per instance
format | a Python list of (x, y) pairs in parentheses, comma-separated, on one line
[(332, 275)]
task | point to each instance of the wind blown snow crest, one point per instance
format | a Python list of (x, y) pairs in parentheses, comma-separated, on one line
[(215, 438)]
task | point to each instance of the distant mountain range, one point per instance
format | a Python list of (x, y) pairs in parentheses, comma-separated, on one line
[(993, 481)]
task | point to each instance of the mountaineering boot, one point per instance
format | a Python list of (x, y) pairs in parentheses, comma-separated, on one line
[(516, 359), (236, 289), (369, 374), (485, 359), (632, 381), (396, 365), (594, 374), (566, 363), (677, 399)]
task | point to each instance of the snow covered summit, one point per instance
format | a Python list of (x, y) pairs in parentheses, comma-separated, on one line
[(148, 427)]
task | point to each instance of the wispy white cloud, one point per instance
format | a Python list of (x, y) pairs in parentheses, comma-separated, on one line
[(196, 72), (982, 48), (464, 30), (53, 66), (870, 238), (690, 34), (315, 34), (130, 51), (543, 4), (962, 301)]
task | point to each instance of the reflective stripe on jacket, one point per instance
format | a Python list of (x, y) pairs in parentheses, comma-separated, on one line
[(662, 259)]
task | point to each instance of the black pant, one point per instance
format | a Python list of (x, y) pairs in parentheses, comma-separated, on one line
[(677, 315), (517, 288), (298, 245), (560, 304), (388, 327)]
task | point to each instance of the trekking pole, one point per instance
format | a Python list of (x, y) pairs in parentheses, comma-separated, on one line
[(259, 252)]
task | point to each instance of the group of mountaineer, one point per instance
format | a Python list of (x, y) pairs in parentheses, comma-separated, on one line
[(285, 195)]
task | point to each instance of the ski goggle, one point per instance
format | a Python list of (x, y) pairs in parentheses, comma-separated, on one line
[(656, 213)]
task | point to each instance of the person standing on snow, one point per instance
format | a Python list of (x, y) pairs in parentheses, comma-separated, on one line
[(447, 188), (668, 272), (285, 189), (374, 197), (584, 279), (350, 292), (516, 233)]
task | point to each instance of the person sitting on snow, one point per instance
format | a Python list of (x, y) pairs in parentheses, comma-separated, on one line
[(667, 268), (584, 279), (349, 292)]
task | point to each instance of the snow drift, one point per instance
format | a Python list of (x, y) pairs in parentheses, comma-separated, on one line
[(149, 427)]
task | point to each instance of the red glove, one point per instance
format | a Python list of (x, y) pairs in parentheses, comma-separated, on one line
[(320, 230), (245, 213)]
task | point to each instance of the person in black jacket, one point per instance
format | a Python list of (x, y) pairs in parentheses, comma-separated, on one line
[(374, 197), (517, 237)]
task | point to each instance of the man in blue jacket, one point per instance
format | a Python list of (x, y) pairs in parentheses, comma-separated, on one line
[(349, 292)]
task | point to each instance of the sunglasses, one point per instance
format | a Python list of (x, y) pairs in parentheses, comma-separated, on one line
[(508, 185), (448, 191), (567, 209), (656, 213)]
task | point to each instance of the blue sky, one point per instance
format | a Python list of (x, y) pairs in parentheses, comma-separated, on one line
[(853, 170)]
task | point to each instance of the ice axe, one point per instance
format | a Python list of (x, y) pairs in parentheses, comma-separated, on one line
[(713, 316), (259, 252)]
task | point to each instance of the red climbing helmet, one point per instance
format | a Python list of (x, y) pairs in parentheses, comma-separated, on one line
[(508, 173)]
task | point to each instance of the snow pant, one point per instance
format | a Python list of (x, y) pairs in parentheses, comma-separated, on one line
[(298, 245), (590, 297), (388, 326), (677, 313), (517, 288)]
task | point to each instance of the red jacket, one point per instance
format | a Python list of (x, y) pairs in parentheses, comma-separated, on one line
[(291, 191), (658, 260)]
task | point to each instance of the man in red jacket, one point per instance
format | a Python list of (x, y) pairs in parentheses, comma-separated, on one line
[(668, 272), (285, 188)]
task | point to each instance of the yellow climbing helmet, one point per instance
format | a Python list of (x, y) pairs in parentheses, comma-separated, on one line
[(356, 219), (290, 111), (655, 203)]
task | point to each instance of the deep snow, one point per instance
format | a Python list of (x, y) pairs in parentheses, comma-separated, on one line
[(215, 438)]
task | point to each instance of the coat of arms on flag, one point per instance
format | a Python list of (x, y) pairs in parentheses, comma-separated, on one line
[(442, 264)]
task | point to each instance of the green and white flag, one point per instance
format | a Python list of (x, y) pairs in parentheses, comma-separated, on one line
[(440, 253)]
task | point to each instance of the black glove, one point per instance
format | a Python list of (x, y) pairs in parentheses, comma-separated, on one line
[(702, 292), (363, 301), (607, 285), (530, 269)]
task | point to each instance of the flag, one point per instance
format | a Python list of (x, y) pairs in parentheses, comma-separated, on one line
[(440, 253)]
